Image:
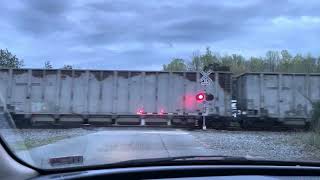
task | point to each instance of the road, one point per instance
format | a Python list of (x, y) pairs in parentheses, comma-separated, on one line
[(108, 145), (118, 145)]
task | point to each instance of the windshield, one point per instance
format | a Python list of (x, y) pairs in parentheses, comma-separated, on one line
[(86, 83)]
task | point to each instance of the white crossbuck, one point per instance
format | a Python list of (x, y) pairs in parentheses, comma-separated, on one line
[(205, 80)]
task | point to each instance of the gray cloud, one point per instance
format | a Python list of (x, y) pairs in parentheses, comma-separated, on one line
[(36, 17), (149, 33)]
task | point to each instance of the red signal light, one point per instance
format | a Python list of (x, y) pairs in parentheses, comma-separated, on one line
[(161, 111), (140, 111), (200, 97)]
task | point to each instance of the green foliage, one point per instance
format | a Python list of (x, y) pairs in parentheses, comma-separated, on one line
[(8, 60), (48, 65), (67, 67), (175, 65), (256, 64), (199, 62), (273, 61)]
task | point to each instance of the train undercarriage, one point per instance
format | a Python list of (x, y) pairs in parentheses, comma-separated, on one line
[(190, 122)]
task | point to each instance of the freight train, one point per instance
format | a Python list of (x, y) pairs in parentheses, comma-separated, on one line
[(106, 97), (276, 98)]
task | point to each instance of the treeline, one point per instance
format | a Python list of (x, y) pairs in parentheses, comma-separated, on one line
[(273, 61), (9, 60)]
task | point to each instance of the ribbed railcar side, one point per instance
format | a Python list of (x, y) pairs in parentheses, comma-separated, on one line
[(278, 97), (57, 95)]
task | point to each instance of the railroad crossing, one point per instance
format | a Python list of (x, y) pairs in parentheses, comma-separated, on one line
[(117, 145)]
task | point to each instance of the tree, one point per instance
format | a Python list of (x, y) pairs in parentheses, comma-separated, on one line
[(285, 62), (209, 58), (309, 63), (286, 55), (199, 62), (256, 64), (297, 64), (238, 64), (226, 60), (67, 67), (8, 60), (273, 61), (47, 65), (175, 65), (318, 65), (195, 64)]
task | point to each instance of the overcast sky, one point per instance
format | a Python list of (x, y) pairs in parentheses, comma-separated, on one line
[(145, 34)]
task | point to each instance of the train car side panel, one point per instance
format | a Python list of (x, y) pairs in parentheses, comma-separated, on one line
[(285, 97)]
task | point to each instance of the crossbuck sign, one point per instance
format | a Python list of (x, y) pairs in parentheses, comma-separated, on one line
[(205, 80)]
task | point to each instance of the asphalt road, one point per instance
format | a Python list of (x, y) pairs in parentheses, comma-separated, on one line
[(108, 145), (118, 145)]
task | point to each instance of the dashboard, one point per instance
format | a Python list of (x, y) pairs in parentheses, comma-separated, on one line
[(194, 172)]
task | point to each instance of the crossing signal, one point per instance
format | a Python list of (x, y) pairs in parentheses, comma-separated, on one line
[(204, 96), (209, 97), (200, 96)]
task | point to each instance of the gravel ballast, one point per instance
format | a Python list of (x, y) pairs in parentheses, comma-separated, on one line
[(22, 139), (292, 145)]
